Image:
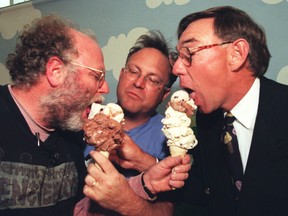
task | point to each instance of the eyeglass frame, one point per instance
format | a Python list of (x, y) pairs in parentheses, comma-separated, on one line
[(157, 87), (172, 60), (97, 71)]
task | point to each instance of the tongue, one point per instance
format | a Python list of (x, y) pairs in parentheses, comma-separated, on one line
[(88, 109)]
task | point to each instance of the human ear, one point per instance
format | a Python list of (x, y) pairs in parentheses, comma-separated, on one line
[(121, 73), (238, 54), (54, 72)]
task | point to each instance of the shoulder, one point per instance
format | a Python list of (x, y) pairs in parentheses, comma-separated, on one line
[(271, 87), (273, 95), (3, 91), (157, 117)]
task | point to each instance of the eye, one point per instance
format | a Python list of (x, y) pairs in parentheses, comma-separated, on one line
[(97, 76), (133, 71), (174, 55), (153, 80), (184, 53)]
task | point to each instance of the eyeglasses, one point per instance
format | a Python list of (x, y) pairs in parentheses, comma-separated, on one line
[(153, 82), (100, 74), (185, 53)]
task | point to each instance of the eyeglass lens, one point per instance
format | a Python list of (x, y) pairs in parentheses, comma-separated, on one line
[(151, 81)]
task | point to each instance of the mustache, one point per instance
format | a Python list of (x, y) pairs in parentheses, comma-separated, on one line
[(98, 99)]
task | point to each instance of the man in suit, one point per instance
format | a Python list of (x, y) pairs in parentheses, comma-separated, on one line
[(221, 59)]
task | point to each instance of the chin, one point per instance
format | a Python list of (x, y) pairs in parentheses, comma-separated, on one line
[(73, 123)]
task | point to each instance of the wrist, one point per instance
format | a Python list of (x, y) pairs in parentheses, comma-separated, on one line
[(145, 162), (150, 196)]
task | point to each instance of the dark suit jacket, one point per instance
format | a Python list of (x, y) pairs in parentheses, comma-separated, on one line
[(265, 184)]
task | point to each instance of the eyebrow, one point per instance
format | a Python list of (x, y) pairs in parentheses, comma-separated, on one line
[(90, 68), (148, 74), (189, 40)]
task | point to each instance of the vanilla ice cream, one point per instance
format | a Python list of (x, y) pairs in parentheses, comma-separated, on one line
[(176, 124)]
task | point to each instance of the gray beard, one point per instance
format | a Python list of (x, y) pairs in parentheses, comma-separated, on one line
[(63, 107)]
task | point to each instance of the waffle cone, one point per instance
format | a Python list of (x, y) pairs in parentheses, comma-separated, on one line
[(104, 153), (176, 151)]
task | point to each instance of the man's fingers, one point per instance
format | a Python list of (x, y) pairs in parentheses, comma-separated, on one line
[(103, 162), (89, 180), (89, 192), (187, 159), (178, 176), (176, 184)]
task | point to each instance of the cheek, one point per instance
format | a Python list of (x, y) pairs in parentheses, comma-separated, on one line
[(91, 87), (121, 88), (209, 75), (153, 99), (190, 79), (124, 83)]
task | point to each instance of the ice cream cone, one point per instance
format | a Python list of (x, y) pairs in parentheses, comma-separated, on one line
[(176, 124), (104, 128), (104, 153), (176, 150)]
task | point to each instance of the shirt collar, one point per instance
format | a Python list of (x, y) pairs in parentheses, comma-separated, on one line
[(246, 110)]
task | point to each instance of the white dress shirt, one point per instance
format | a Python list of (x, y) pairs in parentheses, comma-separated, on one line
[(245, 113)]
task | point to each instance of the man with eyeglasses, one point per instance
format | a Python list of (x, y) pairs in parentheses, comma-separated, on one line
[(144, 83), (57, 72), (221, 59), (41, 165)]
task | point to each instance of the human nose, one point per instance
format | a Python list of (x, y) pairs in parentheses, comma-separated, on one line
[(140, 81), (178, 68), (104, 88)]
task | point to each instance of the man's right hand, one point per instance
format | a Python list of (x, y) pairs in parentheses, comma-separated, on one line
[(130, 156), (168, 174)]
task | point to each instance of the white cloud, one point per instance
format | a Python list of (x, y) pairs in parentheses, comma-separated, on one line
[(272, 1), (4, 75), (156, 3), (117, 48), (283, 75), (11, 24)]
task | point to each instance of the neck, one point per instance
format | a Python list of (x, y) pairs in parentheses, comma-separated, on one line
[(239, 90), (29, 102), (135, 120)]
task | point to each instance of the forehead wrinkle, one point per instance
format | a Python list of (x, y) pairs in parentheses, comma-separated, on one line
[(187, 41)]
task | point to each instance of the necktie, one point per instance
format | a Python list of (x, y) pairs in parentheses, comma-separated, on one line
[(232, 152)]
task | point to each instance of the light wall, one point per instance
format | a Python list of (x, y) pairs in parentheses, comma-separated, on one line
[(117, 24)]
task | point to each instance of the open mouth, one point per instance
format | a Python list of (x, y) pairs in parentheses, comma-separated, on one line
[(189, 91), (97, 101), (88, 109)]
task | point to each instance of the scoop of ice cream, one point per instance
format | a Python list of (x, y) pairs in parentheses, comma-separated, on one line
[(95, 108), (103, 132), (181, 136), (114, 111), (104, 126), (175, 118), (181, 102)]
